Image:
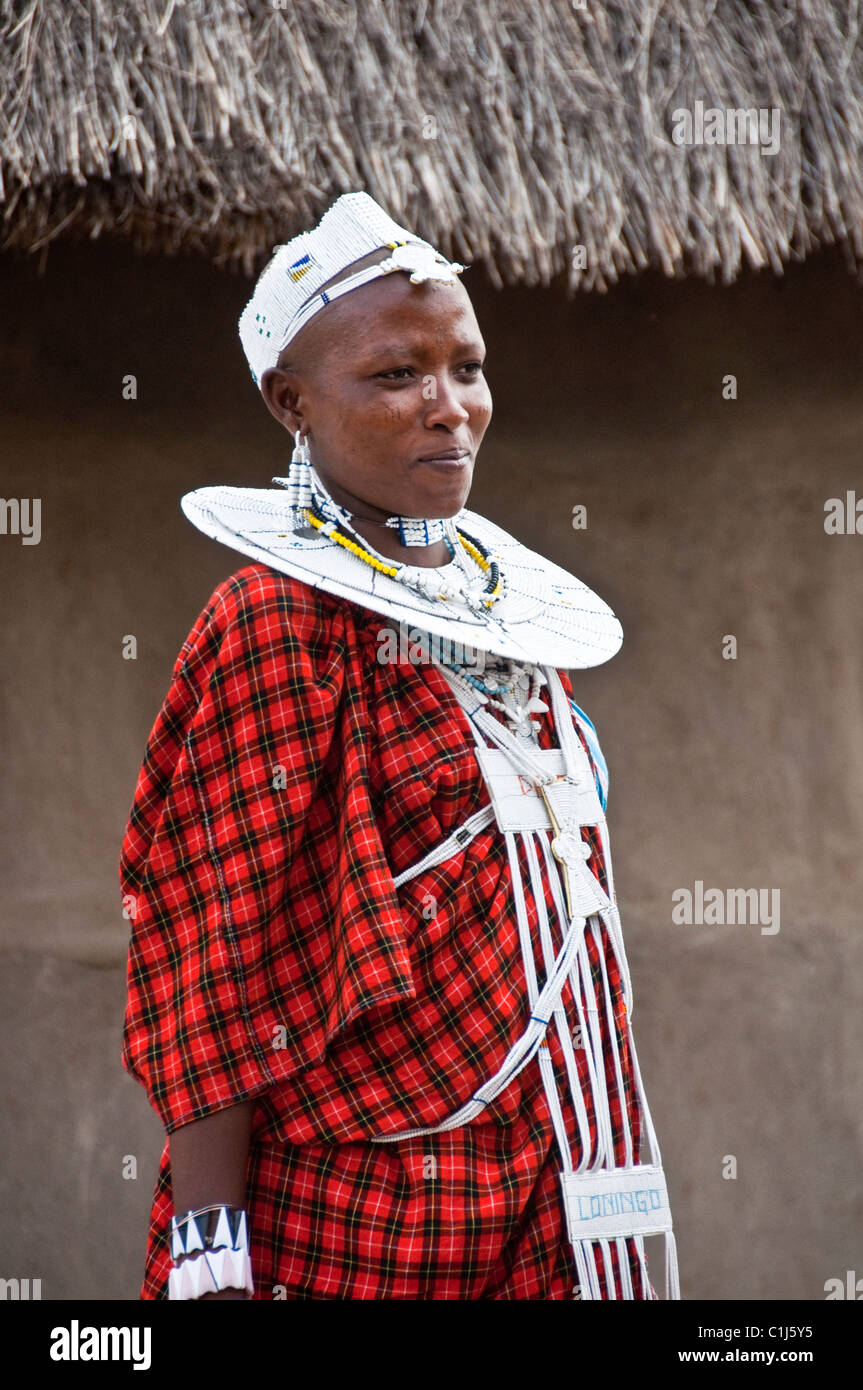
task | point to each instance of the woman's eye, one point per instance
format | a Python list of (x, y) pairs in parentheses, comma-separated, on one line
[(396, 373)]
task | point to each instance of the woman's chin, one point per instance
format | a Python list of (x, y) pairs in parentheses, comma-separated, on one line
[(445, 501)]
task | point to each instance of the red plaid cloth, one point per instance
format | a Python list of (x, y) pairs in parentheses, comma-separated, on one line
[(290, 776)]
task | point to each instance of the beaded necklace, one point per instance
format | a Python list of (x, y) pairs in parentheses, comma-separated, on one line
[(512, 688), (428, 587)]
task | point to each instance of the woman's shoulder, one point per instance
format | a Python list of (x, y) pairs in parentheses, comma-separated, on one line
[(259, 586), (255, 609), (257, 593)]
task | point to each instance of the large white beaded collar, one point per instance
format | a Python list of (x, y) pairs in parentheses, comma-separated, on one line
[(546, 614)]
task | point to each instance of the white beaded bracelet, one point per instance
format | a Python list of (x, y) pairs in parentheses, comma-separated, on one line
[(211, 1272), (216, 1259)]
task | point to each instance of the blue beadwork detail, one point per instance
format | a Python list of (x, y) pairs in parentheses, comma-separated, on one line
[(600, 766)]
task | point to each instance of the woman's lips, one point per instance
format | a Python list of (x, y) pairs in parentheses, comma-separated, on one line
[(447, 461)]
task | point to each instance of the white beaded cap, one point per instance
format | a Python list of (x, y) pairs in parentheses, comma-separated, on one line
[(288, 291)]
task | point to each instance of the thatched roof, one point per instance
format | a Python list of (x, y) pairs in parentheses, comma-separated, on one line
[(508, 132)]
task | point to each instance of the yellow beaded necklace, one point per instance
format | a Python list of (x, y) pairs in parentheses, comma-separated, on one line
[(489, 567)]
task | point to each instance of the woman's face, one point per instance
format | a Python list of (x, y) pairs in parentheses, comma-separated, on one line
[(381, 382)]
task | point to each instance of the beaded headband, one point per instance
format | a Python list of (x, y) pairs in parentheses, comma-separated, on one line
[(289, 290)]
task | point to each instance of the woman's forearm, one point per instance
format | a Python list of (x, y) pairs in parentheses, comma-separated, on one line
[(209, 1159)]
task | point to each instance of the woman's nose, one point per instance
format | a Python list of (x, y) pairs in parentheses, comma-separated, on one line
[(446, 405)]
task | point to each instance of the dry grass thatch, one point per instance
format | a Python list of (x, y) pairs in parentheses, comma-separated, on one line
[(507, 132)]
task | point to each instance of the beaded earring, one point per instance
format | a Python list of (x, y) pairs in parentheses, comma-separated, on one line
[(299, 480)]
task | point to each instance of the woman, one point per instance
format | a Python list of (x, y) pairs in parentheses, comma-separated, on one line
[(377, 991)]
